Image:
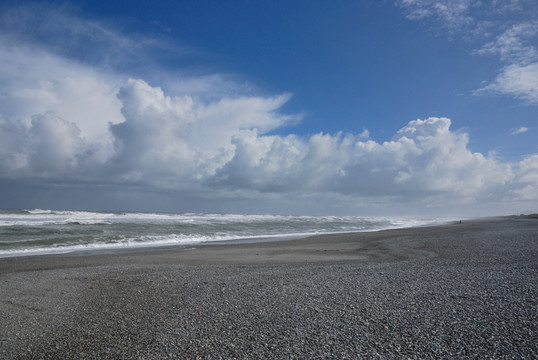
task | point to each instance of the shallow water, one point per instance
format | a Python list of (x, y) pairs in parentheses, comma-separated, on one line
[(30, 232)]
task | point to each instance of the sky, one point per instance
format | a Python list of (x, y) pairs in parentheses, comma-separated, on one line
[(374, 108)]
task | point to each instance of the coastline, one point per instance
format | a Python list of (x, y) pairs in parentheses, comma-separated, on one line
[(435, 291), (50, 232), (345, 246)]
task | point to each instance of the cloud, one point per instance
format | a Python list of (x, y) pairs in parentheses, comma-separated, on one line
[(515, 44), (452, 14), (34, 82), (43, 73), (521, 130), (181, 143), (424, 158), (67, 121), (183, 139), (520, 78), (518, 81), (527, 179), (513, 26), (49, 147), (64, 33)]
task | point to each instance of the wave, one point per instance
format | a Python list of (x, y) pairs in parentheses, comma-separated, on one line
[(146, 241), (29, 223), (38, 211), (127, 243), (44, 231), (62, 216)]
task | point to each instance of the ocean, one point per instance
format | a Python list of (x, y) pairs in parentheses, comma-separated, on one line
[(34, 232)]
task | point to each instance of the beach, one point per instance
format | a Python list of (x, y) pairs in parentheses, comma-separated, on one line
[(461, 290)]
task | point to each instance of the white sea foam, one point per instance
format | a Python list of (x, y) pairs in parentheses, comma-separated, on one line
[(41, 231)]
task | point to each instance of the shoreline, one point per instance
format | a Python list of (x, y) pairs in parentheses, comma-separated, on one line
[(244, 247), (235, 251), (135, 242), (149, 247), (457, 290)]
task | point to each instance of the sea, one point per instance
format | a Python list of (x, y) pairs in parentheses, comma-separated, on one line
[(41, 231)]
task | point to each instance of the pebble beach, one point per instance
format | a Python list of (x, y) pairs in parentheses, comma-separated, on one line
[(462, 290)]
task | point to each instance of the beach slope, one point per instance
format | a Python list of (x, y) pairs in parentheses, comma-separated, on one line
[(454, 291)]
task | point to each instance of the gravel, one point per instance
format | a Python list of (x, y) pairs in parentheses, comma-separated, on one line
[(471, 292)]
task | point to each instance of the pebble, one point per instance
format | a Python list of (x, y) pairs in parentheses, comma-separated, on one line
[(477, 298)]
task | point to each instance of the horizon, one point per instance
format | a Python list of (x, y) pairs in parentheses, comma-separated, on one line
[(391, 108), (157, 212)]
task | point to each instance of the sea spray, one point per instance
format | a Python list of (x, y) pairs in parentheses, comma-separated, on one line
[(30, 232)]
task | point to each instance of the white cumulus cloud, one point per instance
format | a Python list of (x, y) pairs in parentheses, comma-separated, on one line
[(526, 187), (423, 158), (34, 82), (183, 139), (182, 143), (48, 147), (204, 137)]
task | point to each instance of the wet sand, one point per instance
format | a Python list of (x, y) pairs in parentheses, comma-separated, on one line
[(454, 291)]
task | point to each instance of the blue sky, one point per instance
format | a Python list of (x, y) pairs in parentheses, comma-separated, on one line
[(359, 107)]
